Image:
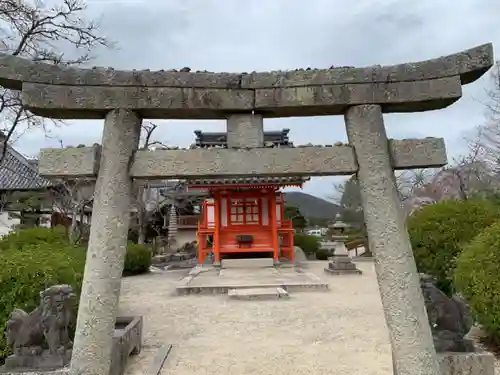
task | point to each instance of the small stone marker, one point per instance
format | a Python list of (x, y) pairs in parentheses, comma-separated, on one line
[(258, 293), (300, 258)]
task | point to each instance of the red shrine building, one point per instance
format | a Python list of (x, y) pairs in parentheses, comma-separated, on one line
[(244, 216)]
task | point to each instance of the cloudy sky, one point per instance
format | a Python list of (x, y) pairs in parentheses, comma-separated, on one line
[(235, 36)]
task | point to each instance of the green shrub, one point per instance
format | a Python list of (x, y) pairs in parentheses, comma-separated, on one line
[(309, 244), (33, 236), (438, 233), (36, 258), (476, 277), (25, 272), (138, 260), (322, 254)]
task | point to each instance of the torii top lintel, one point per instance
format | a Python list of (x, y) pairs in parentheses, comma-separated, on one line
[(55, 91)]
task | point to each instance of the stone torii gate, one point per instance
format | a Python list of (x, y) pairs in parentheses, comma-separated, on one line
[(362, 95)]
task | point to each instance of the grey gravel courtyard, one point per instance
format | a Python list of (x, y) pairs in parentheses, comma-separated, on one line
[(335, 332)]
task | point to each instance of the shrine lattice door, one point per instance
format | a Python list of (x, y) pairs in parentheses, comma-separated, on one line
[(244, 211)]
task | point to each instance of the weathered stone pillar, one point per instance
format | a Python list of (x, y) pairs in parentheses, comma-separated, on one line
[(107, 245), (405, 314), (245, 130)]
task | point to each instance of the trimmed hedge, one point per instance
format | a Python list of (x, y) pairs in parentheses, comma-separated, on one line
[(37, 258), (33, 236), (322, 254), (309, 244), (138, 259), (439, 231), (476, 277)]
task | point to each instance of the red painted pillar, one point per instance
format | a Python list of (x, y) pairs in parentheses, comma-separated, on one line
[(201, 238), (291, 245), (201, 247), (217, 223), (274, 226)]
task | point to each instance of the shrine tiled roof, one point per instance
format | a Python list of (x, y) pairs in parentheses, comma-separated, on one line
[(272, 138), (250, 180), (19, 173)]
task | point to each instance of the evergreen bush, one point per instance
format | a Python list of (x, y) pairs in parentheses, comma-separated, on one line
[(37, 258), (308, 244), (438, 233), (138, 259), (476, 277)]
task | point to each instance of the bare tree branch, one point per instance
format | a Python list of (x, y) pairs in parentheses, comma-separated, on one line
[(147, 132), (71, 198), (40, 33)]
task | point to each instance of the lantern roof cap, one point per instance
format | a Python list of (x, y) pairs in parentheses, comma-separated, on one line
[(339, 224)]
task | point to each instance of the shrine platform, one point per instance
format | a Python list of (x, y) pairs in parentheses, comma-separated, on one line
[(215, 280)]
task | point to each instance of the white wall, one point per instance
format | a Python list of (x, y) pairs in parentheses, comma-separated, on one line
[(6, 223), (185, 235), (45, 220)]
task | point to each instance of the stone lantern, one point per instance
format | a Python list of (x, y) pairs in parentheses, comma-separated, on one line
[(341, 262)]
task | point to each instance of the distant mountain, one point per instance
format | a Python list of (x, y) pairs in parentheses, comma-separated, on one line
[(311, 206)]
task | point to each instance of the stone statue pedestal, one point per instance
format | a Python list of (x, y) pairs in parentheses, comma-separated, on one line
[(43, 362), (478, 363), (341, 263)]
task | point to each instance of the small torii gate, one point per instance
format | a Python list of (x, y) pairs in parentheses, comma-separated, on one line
[(362, 95)]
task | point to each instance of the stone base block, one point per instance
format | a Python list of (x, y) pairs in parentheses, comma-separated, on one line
[(362, 259), (354, 271), (43, 362), (62, 371), (248, 263), (258, 294), (127, 340), (342, 265), (479, 363)]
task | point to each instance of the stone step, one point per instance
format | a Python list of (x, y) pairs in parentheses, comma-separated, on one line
[(247, 263), (347, 271), (292, 287), (258, 293)]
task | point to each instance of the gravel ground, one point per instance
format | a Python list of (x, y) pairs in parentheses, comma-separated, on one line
[(336, 332), (313, 332)]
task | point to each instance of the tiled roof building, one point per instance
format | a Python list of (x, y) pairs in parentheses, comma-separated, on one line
[(219, 139), (19, 173)]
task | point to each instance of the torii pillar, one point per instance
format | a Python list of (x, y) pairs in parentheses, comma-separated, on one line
[(107, 247), (397, 275)]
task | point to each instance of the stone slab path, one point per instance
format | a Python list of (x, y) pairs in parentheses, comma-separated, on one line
[(215, 280), (335, 332), (235, 276)]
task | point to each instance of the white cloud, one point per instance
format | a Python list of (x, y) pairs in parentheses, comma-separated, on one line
[(225, 35)]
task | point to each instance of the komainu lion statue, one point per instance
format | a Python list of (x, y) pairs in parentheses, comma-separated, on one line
[(56, 317), (449, 318), (24, 332), (40, 339)]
